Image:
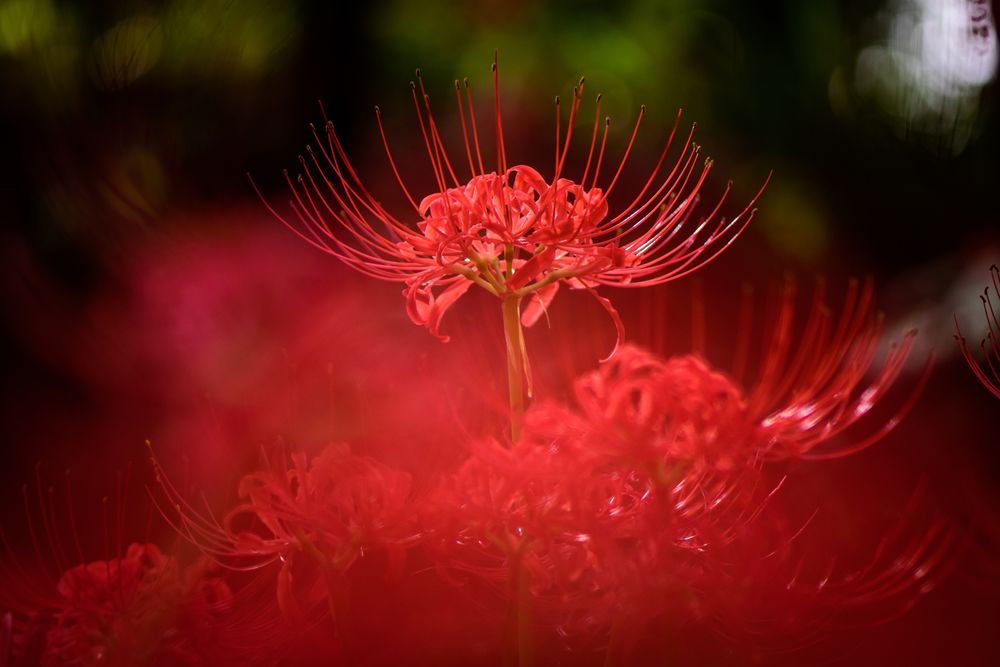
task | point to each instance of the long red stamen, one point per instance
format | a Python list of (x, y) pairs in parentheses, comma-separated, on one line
[(392, 162), (438, 145), (501, 147), (628, 150), (465, 131), (431, 153), (593, 139), (472, 122)]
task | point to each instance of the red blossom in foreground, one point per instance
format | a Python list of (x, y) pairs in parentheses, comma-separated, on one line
[(135, 609), (652, 496), (328, 512), (657, 496), (987, 370), (579, 539), (510, 230)]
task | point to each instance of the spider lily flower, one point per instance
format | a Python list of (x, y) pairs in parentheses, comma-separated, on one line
[(644, 497), (326, 512), (806, 397), (987, 370), (576, 540), (508, 229), (140, 606)]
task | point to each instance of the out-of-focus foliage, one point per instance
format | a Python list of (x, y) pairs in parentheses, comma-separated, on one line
[(55, 43), (663, 54), (219, 37)]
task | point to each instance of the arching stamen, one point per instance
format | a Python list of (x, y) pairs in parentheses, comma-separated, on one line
[(593, 141), (435, 137), (628, 150), (573, 109), (438, 172), (558, 145), (392, 162), (361, 195), (465, 132), (338, 149), (667, 189), (890, 424), (501, 148), (600, 154), (371, 238), (656, 170), (472, 122)]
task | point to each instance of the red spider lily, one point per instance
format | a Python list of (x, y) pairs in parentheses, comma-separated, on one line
[(332, 509), (510, 231), (808, 395), (988, 370), (578, 539), (138, 607), (118, 600), (528, 521), (633, 499), (679, 411)]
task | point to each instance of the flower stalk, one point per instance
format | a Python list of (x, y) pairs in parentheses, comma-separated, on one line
[(517, 363), (519, 650)]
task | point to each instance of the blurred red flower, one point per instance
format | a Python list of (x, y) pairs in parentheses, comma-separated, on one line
[(987, 370)]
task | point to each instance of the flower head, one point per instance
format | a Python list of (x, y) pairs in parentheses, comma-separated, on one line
[(508, 229), (138, 605), (338, 503)]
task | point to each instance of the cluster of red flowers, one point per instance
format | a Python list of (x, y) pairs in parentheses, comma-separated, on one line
[(139, 607), (649, 498)]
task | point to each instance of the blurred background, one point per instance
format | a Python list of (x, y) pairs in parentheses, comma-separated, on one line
[(146, 294)]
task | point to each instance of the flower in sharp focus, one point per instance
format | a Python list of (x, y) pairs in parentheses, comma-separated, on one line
[(509, 229), (987, 370)]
